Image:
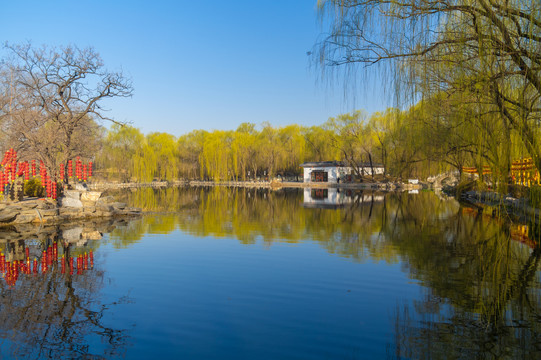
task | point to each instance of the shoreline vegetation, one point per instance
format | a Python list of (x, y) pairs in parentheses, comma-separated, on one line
[(389, 186)]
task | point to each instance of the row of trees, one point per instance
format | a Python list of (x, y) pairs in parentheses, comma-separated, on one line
[(393, 138)]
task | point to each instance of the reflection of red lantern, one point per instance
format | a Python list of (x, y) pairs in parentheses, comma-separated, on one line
[(35, 266)]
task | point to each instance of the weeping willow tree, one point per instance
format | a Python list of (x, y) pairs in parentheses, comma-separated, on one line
[(126, 155), (480, 59)]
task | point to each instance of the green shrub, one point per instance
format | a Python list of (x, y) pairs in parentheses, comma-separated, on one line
[(33, 188)]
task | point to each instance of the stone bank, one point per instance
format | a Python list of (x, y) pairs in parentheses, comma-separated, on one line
[(74, 205)]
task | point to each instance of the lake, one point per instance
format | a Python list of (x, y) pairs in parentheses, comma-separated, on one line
[(221, 273)]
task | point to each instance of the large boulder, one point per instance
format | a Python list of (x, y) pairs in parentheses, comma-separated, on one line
[(90, 196), (71, 202)]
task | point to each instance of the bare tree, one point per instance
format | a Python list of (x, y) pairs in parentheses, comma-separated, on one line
[(52, 97)]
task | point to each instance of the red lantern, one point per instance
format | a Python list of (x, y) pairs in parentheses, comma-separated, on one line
[(70, 169), (26, 171), (54, 190), (90, 169), (33, 168), (62, 178)]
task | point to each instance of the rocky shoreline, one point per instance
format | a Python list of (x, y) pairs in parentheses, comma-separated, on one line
[(74, 205), (388, 186), (495, 202)]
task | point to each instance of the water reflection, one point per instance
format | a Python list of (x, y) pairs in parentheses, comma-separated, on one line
[(333, 198), (480, 274), (50, 302)]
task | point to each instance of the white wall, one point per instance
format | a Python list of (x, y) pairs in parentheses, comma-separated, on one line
[(335, 172)]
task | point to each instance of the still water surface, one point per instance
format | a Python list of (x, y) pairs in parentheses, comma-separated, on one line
[(291, 274)]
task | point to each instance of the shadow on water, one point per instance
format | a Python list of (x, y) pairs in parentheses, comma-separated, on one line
[(50, 301)]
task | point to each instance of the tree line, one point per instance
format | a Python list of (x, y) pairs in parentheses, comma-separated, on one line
[(251, 152), (466, 74)]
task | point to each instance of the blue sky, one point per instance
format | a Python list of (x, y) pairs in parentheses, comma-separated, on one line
[(197, 64)]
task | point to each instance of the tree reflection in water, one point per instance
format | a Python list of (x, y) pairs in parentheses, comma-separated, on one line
[(49, 309), (480, 274), (482, 289)]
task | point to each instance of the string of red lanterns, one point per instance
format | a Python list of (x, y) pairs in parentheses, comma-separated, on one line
[(11, 169)]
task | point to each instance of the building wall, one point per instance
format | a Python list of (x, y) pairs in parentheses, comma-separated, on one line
[(335, 172)]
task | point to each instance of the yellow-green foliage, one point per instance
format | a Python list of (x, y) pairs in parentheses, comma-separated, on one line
[(33, 188)]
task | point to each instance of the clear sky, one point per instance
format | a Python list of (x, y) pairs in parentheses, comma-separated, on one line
[(196, 64)]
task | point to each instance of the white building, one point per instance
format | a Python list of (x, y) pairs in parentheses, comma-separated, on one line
[(331, 171)]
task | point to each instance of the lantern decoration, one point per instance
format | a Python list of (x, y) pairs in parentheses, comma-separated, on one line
[(78, 168), (26, 171), (84, 173), (70, 169), (54, 188), (33, 168), (90, 169), (62, 177)]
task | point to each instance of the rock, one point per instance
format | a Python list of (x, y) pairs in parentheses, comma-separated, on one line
[(43, 204), (72, 194), (119, 205), (90, 196), (105, 200), (70, 202), (81, 187), (89, 209), (48, 212), (28, 204), (26, 218), (105, 207), (7, 217)]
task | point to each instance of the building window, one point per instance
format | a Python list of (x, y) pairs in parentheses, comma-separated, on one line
[(319, 176)]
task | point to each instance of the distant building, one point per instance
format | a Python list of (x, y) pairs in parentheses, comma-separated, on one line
[(332, 171)]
